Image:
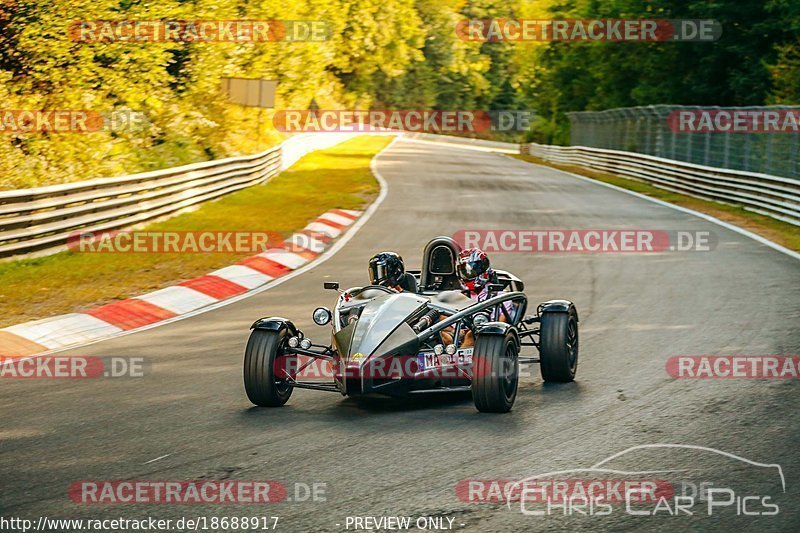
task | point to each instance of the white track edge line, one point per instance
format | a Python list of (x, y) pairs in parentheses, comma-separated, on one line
[(704, 216), (347, 234)]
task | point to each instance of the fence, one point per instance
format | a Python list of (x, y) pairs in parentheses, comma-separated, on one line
[(774, 196), (43, 218), (646, 130)]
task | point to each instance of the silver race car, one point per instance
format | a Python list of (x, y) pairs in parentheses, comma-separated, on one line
[(430, 339)]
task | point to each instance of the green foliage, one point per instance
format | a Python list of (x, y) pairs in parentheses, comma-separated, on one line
[(753, 63), (381, 54), (177, 85), (785, 74)]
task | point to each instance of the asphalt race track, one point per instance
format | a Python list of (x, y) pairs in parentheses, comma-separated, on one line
[(393, 457)]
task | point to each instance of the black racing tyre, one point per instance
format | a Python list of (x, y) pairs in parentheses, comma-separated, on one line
[(260, 383), (558, 346), (495, 372)]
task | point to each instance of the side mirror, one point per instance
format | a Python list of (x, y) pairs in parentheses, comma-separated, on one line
[(331, 285)]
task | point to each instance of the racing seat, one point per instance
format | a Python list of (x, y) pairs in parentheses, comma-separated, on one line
[(439, 265)]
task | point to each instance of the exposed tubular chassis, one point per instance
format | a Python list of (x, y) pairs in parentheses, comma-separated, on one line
[(526, 331)]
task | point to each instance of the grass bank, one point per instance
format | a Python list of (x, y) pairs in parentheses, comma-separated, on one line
[(338, 177), (783, 233)]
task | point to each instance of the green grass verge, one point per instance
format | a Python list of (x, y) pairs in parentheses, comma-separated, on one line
[(66, 282), (783, 233)]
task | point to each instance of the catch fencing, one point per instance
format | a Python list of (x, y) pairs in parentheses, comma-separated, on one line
[(41, 219), (647, 130)]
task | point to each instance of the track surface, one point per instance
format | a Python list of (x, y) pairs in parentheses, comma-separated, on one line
[(405, 457)]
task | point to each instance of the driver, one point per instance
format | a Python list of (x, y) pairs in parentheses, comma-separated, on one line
[(475, 274), (387, 269)]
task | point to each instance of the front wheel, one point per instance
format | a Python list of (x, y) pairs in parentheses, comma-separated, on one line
[(558, 346), (262, 386), (495, 373)]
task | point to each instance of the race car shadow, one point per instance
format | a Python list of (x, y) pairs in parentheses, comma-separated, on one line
[(454, 407), (556, 391), (419, 414), (387, 404)]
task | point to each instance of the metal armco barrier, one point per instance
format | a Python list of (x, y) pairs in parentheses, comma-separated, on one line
[(775, 196), (494, 146), (40, 220), (649, 130)]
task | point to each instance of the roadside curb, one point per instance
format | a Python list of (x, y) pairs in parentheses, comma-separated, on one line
[(188, 296)]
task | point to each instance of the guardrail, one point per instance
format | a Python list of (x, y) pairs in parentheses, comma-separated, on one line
[(494, 146), (43, 218), (774, 196), (650, 130)]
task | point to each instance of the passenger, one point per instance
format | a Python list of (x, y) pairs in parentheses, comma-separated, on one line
[(387, 270)]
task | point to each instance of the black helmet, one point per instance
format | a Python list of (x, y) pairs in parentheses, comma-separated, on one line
[(386, 268)]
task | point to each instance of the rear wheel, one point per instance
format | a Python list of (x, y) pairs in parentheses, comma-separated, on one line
[(495, 373), (262, 386), (558, 346)]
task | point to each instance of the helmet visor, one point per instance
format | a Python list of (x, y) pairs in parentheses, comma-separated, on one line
[(377, 273), (470, 270)]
